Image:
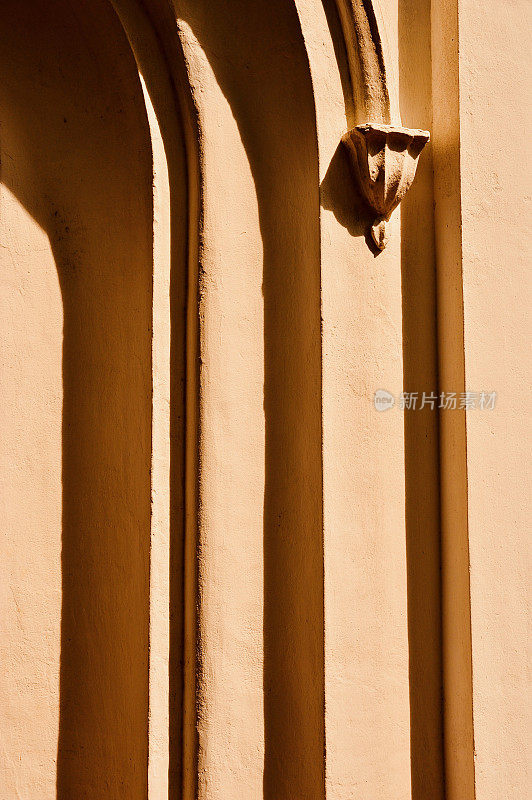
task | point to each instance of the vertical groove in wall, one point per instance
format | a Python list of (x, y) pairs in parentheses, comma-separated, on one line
[(153, 37), (186, 225), (420, 375), (188, 788), (456, 614), (192, 511), (192, 491)]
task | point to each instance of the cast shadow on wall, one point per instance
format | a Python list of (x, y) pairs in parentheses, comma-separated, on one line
[(340, 194), (65, 132), (420, 373), (266, 81), (65, 119)]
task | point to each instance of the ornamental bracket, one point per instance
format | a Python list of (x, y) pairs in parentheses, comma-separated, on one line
[(383, 153)]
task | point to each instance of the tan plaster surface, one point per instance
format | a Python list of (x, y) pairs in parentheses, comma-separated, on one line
[(77, 270), (496, 278), (225, 574)]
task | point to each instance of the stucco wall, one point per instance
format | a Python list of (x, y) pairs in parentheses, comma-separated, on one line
[(494, 83), (77, 275), (225, 573)]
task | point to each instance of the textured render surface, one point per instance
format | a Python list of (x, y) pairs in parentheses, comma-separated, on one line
[(310, 682), (496, 275), (76, 260), (260, 681), (31, 550), (230, 730), (366, 645), (170, 277), (420, 374), (456, 624)]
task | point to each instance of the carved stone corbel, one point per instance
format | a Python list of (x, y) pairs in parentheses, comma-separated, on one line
[(384, 154), (385, 160)]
